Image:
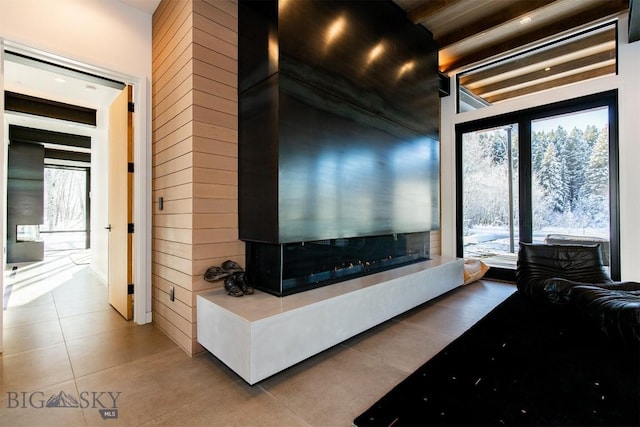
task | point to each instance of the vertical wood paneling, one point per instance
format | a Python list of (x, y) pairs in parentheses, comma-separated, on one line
[(195, 156)]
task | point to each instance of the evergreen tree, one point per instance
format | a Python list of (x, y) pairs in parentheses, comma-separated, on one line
[(597, 182), (551, 180), (539, 142), (575, 154), (591, 134)]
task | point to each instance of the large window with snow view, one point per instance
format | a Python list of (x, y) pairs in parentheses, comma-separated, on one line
[(66, 208), (544, 175)]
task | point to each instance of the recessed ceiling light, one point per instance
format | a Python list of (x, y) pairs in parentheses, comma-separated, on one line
[(59, 79), (525, 20), (548, 69), (90, 87)]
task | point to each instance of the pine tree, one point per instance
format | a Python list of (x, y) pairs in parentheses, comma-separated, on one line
[(597, 182), (575, 154), (550, 179), (591, 134)]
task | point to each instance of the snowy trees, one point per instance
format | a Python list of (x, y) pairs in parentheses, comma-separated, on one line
[(570, 177), (486, 175), (64, 199), (575, 182)]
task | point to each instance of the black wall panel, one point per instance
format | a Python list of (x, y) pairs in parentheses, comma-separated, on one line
[(339, 121)]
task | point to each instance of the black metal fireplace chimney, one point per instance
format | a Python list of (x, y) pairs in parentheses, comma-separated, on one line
[(338, 139)]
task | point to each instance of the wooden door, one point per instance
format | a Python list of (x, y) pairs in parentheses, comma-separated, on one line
[(121, 204)]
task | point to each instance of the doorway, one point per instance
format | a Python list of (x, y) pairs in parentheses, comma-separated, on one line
[(18, 56), (544, 175)]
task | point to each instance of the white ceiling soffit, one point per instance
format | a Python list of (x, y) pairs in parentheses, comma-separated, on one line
[(48, 81), (147, 6), (42, 80)]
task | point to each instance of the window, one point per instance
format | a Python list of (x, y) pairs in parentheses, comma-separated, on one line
[(66, 215), (547, 174)]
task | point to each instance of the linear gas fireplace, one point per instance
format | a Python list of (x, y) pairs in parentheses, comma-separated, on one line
[(285, 269)]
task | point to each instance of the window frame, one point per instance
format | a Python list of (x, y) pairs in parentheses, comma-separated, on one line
[(524, 118)]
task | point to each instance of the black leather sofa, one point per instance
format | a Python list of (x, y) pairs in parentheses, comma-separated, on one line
[(574, 276)]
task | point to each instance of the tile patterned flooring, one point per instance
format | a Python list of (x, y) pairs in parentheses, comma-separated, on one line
[(60, 334)]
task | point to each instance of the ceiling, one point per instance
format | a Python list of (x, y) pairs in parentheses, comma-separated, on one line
[(48, 84), (147, 6), (467, 31), (472, 32)]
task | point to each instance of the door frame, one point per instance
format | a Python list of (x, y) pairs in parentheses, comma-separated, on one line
[(524, 119), (142, 177)]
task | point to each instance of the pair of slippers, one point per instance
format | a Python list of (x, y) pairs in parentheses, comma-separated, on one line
[(236, 286), (234, 278)]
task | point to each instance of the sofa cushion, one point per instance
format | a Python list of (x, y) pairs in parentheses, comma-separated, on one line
[(559, 291), (538, 263), (615, 312)]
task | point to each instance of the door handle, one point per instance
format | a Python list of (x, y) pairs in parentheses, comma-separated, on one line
[(108, 228)]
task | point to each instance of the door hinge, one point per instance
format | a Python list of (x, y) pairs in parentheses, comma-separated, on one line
[(131, 107), (130, 289), (130, 167), (130, 228)]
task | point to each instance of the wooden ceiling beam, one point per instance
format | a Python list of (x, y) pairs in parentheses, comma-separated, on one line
[(609, 8), (21, 103), (33, 135), (598, 72), (582, 43), (429, 9), (541, 74), (511, 11)]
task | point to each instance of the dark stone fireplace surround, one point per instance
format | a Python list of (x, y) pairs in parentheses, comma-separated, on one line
[(338, 156)]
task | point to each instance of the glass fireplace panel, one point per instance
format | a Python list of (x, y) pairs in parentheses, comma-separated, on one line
[(28, 233), (295, 267)]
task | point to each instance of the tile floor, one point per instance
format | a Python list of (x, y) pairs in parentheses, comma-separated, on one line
[(60, 335)]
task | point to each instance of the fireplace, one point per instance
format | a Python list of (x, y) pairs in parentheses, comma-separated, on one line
[(289, 268), (338, 157)]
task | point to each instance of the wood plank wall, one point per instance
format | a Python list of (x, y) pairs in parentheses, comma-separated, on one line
[(435, 246), (195, 156)]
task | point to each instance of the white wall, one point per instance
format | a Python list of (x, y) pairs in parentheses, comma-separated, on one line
[(100, 196), (111, 37), (628, 84), (3, 197)]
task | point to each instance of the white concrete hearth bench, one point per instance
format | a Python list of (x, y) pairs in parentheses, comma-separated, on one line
[(259, 335)]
